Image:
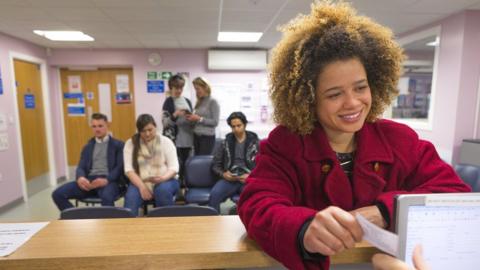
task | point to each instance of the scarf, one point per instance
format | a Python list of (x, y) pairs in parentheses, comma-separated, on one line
[(151, 161)]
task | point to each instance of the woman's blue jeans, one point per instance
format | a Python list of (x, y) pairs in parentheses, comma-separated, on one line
[(163, 193)]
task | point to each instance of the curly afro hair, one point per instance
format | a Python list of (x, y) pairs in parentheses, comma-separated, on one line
[(331, 32)]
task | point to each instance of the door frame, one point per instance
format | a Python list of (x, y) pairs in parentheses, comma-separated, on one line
[(62, 123), (47, 116)]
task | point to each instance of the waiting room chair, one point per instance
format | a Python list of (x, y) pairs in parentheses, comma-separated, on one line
[(470, 174), (199, 179), (93, 200), (217, 145), (182, 210), (96, 212)]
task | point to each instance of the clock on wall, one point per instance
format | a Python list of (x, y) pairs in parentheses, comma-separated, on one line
[(154, 59)]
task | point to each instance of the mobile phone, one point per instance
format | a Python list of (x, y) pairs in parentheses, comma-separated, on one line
[(187, 112)]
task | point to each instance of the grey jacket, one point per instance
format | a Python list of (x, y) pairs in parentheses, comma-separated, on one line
[(210, 111)]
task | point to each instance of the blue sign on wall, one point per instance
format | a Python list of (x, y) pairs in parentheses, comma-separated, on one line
[(157, 86), (76, 109), (29, 100), (72, 95), (1, 83)]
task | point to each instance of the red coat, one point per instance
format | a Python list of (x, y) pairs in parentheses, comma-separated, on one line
[(296, 176)]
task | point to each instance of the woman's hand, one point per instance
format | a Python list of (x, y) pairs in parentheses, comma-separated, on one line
[(372, 214), (331, 231), (178, 113), (145, 193), (382, 261), (156, 179), (193, 117)]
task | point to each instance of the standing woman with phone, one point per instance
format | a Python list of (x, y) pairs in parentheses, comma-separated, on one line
[(205, 117), (176, 108)]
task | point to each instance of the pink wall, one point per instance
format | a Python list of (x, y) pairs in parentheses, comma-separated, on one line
[(469, 81), (10, 186), (457, 83), (192, 61), (447, 85)]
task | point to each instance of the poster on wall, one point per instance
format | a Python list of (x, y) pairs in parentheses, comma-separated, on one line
[(122, 83), (158, 80), (76, 109), (29, 101), (74, 84), (104, 99), (155, 86), (1, 83), (123, 98)]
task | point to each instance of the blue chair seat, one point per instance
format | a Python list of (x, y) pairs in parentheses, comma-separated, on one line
[(470, 174), (198, 195)]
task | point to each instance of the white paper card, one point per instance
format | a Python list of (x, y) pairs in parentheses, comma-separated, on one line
[(74, 84), (105, 100), (122, 83), (13, 235), (378, 237)]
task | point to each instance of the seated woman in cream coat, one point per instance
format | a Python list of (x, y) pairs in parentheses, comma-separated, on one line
[(151, 163)]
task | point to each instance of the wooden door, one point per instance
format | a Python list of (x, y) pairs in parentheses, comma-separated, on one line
[(32, 121), (77, 126)]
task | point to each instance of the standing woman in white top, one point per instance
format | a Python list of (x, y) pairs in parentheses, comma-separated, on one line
[(175, 124), (151, 163)]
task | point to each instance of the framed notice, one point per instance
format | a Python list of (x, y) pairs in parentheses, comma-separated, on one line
[(74, 84), (155, 86), (29, 101), (76, 109), (122, 83)]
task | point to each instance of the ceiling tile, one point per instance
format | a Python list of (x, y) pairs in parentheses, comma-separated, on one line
[(252, 5), (57, 3), (76, 14)]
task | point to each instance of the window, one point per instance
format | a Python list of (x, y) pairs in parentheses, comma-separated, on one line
[(414, 104)]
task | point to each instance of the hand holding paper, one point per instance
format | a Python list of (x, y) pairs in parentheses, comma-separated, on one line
[(378, 237)]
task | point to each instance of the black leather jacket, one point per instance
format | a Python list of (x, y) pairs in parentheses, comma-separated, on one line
[(223, 157)]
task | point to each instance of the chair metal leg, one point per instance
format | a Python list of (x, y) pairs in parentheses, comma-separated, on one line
[(145, 209)]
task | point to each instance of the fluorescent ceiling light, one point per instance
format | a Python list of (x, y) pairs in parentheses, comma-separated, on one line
[(239, 36), (434, 43), (64, 35)]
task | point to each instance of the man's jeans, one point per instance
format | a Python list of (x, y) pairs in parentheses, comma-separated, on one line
[(163, 193), (223, 190), (71, 190)]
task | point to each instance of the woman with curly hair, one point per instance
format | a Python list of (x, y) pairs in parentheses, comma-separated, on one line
[(332, 75)]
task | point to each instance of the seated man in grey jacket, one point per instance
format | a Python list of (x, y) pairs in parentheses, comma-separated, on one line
[(234, 160)]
